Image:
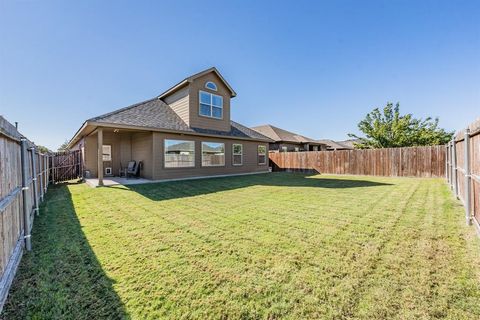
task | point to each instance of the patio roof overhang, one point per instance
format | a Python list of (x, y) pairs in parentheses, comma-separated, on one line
[(89, 128)]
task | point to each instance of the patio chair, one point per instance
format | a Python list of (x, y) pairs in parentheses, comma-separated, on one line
[(131, 168), (134, 170)]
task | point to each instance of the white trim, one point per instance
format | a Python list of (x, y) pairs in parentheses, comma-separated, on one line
[(107, 153), (214, 165), (258, 155), (236, 154), (165, 153), (214, 84), (211, 105)]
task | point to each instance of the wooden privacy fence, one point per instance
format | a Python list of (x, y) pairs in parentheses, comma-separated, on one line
[(65, 166), (463, 170), (24, 181), (398, 162)]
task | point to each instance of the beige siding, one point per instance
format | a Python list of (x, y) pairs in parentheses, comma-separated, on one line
[(249, 158), (179, 102), (122, 151), (142, 151), (198, 121)]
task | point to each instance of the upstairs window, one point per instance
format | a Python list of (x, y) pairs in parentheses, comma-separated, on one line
[(211, 85), (211, 105)]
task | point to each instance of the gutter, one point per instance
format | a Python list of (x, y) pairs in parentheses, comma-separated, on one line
[(153, 129)]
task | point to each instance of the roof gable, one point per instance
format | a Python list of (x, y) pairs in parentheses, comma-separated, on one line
[(191, 78)]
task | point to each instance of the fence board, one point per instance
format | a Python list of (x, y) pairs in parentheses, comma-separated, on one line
[(13, 224), (413, 162), (458, 177)]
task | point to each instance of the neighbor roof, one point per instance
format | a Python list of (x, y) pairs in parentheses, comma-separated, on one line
[(278, 134), (337, 145)]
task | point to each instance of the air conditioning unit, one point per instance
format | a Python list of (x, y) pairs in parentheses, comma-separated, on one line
[(108, 171)]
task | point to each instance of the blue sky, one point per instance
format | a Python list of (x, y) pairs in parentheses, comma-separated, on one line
[(314, 67)]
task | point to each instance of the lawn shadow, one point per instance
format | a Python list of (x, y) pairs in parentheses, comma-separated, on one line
[(61, 278), (189, 188)]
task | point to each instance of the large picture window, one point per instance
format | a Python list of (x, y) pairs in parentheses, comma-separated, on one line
[(262, 154), (211, 105), (179, 153), (213, 154), (237, 150)]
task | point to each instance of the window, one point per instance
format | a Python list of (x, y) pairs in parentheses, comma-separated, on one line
[(179, 153), (213, 154), (237, 150), (297, 149), (262, 154), (211, 85), (107, 152), (284, 149), (211, 105)]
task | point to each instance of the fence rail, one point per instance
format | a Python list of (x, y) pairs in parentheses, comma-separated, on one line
[(23, 184), (463, 170), (401, 162)]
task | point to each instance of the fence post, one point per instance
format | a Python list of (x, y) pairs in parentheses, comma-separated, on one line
[(468, 193), (40, 175), (447, 162), (26, 214), (34, 179), (454, 168)]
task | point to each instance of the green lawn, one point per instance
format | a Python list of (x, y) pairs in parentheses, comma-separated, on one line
[(267, 246)]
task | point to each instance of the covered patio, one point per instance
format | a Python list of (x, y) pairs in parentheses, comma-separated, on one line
[(108, 151)]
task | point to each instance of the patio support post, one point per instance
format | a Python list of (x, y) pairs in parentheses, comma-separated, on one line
[(100, 156), (25, 194), (468, 192)]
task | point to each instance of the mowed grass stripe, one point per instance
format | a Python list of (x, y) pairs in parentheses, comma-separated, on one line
[(270, 246)]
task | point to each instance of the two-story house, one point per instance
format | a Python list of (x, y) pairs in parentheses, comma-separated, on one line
[(184, 132)]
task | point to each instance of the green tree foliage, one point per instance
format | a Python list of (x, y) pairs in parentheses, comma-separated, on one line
[(63, 146), (43, 149), (390, 129)]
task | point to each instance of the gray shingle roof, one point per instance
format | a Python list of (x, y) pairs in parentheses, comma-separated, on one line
[(154, 113), (278, 134)]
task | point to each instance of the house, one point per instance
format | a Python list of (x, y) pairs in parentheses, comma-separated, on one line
[(338, 145), (184, 132), (284, 140)]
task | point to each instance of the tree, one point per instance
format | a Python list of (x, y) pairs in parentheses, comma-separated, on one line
[(63, 146), (390, 129), (42, 149)]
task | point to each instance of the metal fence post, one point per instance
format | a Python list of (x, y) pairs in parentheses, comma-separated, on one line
[(26, 214), (454, 168), (447, 162), (40, 175), (468, 193), (34, 179)]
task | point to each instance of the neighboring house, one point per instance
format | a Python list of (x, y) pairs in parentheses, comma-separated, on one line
[(350, 143), (284, 140), (338, 145), (184, 132)]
